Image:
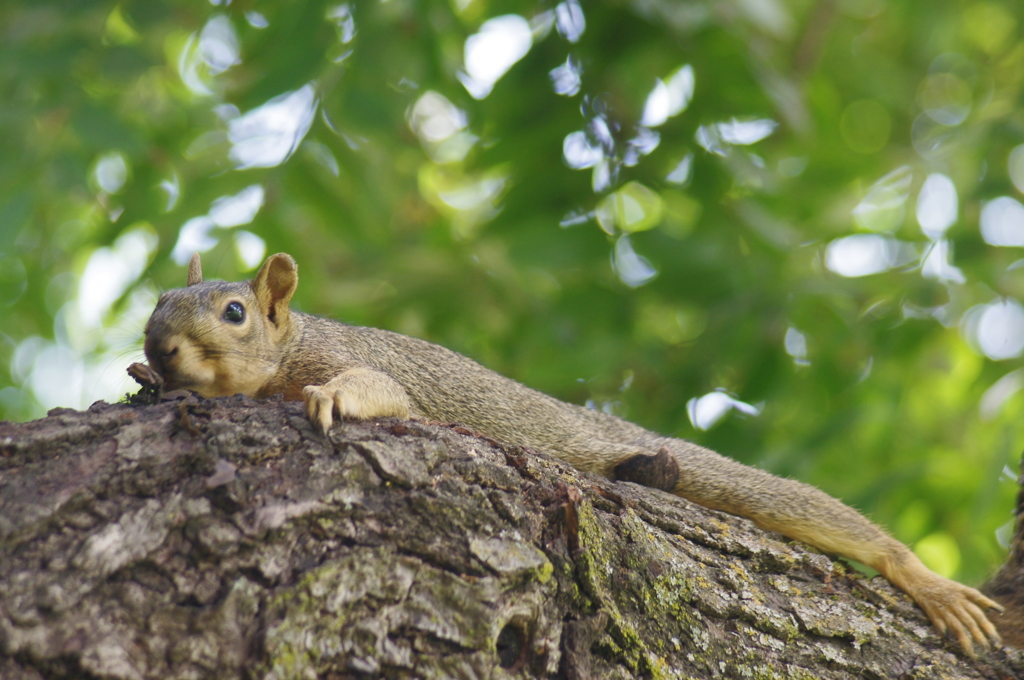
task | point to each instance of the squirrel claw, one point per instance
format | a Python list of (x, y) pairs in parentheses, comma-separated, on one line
[(319, 407)]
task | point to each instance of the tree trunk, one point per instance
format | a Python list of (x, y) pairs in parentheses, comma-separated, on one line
[(226, 538), (1007, 587)]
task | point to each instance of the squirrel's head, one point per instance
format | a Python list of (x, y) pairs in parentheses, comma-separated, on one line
[(219, 338)]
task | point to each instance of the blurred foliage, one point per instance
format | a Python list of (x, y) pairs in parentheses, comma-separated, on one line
[(628, 243)]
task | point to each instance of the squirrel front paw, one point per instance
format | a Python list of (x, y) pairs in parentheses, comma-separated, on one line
[(355, 395), (322, 403)]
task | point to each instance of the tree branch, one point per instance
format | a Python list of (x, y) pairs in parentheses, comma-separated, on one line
[(227, 538)]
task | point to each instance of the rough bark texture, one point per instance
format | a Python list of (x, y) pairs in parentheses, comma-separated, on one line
[(1007, 587), (228, 539)]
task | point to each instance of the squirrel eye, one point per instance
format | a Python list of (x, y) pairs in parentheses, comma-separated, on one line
[(234, 312)]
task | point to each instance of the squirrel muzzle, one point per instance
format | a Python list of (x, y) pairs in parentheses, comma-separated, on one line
[(179, 362), (173, 345)]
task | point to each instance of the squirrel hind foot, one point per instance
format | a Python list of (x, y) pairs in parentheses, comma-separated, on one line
[(954, 608)]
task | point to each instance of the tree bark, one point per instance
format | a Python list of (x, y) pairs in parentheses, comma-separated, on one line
[(227, 538), (1007, 586)]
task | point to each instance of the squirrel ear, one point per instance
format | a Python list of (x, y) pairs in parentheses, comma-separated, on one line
[(274, 285), (195, 270)]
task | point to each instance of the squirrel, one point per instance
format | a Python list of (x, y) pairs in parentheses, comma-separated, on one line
[(219, 339)]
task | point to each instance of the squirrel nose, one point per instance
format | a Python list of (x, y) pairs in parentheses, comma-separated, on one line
[(165, 355), (159, 356)]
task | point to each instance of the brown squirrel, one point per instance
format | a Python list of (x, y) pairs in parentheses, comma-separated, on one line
[(218, 339)]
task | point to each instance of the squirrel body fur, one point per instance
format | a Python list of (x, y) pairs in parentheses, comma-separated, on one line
[(220, 339)]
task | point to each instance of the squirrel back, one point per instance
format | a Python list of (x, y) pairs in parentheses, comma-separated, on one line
[(447, 386)]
